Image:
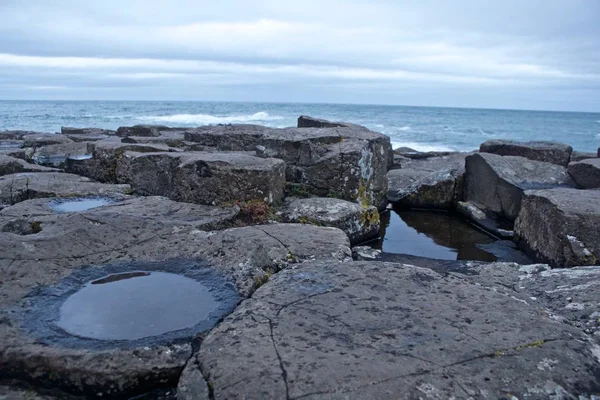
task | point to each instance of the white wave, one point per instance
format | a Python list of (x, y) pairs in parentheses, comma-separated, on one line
[(207, 119), (379, 125), (422, 146), (404, 128)]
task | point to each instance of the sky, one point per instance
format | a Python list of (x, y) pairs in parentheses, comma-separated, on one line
[(464, 53)]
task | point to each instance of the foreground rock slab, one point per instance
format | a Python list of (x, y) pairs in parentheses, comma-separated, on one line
[(379, 330), (552, 152), (560, 226), (359, 223), (15, 188), (586, 173), (10, 165), (496, 183)]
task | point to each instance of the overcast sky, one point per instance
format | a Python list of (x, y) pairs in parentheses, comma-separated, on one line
[(526, 54)]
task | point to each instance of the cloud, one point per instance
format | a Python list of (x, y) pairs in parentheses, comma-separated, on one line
[(532, 48)]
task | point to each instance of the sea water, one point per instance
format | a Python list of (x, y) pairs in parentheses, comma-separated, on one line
[(422, 128)]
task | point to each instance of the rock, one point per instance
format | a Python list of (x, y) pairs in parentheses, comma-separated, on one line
[(11, 144), (44, 139), (15, 188), (580, 156), (360, 224), (17, 134), (551, 152), (495, 183), (372, 330), (496, 227), (305, 121), (586, 173), (560, 226), (141, 130), (435, 182), (106, 159), (206, 178), (11, 165), (349, 163), (56, 155), (86, 131), (38, 271)]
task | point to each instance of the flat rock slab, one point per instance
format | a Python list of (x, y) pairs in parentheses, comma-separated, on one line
[(38, 264), (379, 330), (56, 155), (496, 183), (86, 131), (560, 226), (10, 165), (582, 155), (44, 139), (359, 223), (343, 162), (552, 152), (586, 173), (15, 188), (141, 130), (206, 178)]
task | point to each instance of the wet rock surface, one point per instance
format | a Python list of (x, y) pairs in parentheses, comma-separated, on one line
[(496, 183), (358, 222), (552, 152), (560, 226), (586, 173), (373, 330)]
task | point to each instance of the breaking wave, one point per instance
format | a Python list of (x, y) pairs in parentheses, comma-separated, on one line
[(207, 119), (422, 146)]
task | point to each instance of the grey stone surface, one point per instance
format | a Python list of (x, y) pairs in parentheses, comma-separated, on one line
[(44, 139), (552, 152), (106, 159), (560, 226), (17, 134), (86, 131), (498, 228), (141, 130), (375, 330), (305, 121), (586, 173), (247, 256), (580, 156), (496, 183), (56, 155), (346, 162), (11, 165), (15, 188), (206, 178), (360, 224)]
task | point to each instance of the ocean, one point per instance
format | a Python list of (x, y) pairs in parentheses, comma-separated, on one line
[(422, 128)]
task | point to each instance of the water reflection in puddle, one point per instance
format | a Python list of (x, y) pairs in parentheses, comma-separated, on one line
[(136, 305), (79, 204)]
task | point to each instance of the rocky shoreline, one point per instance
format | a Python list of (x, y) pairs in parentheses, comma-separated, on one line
[(271, 223)]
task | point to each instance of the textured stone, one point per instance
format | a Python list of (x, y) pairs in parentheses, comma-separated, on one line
[(305, 121), (44, 139), (580, 156), (206, 178), (56, 155), (552, 152), (141, 130), (560, 226), (586, 173), (496, 184), (11, 165), (360, 224)]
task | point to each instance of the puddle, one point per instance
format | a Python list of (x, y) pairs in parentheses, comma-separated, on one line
[(79, 204), (136, 305), (429, 234)]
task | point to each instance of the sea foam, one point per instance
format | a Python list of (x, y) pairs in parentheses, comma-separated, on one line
[(207, 119)]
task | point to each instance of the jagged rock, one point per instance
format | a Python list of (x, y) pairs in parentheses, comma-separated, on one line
[(372, 330), (56, 155), (496, 183), (41, 264), (349, 163), (206, 178), (552, 152), (586, 173), (305, 121), (560, 226), (44, 139), (435, 182), (11, 165), (360, 224), (580, 156), (15, 188), (141, 130), (105, 160)]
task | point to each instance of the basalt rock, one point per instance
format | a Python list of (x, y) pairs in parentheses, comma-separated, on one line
[(586, 173), (496, 183), (206, 178), (552, 152), (360, 224), (560, 226), (141, 130)]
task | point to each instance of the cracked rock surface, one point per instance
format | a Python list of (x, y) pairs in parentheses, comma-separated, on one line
[(382, 330)]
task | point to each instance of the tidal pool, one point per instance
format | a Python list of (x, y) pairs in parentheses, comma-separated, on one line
[(79, 204), (135, 305)]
